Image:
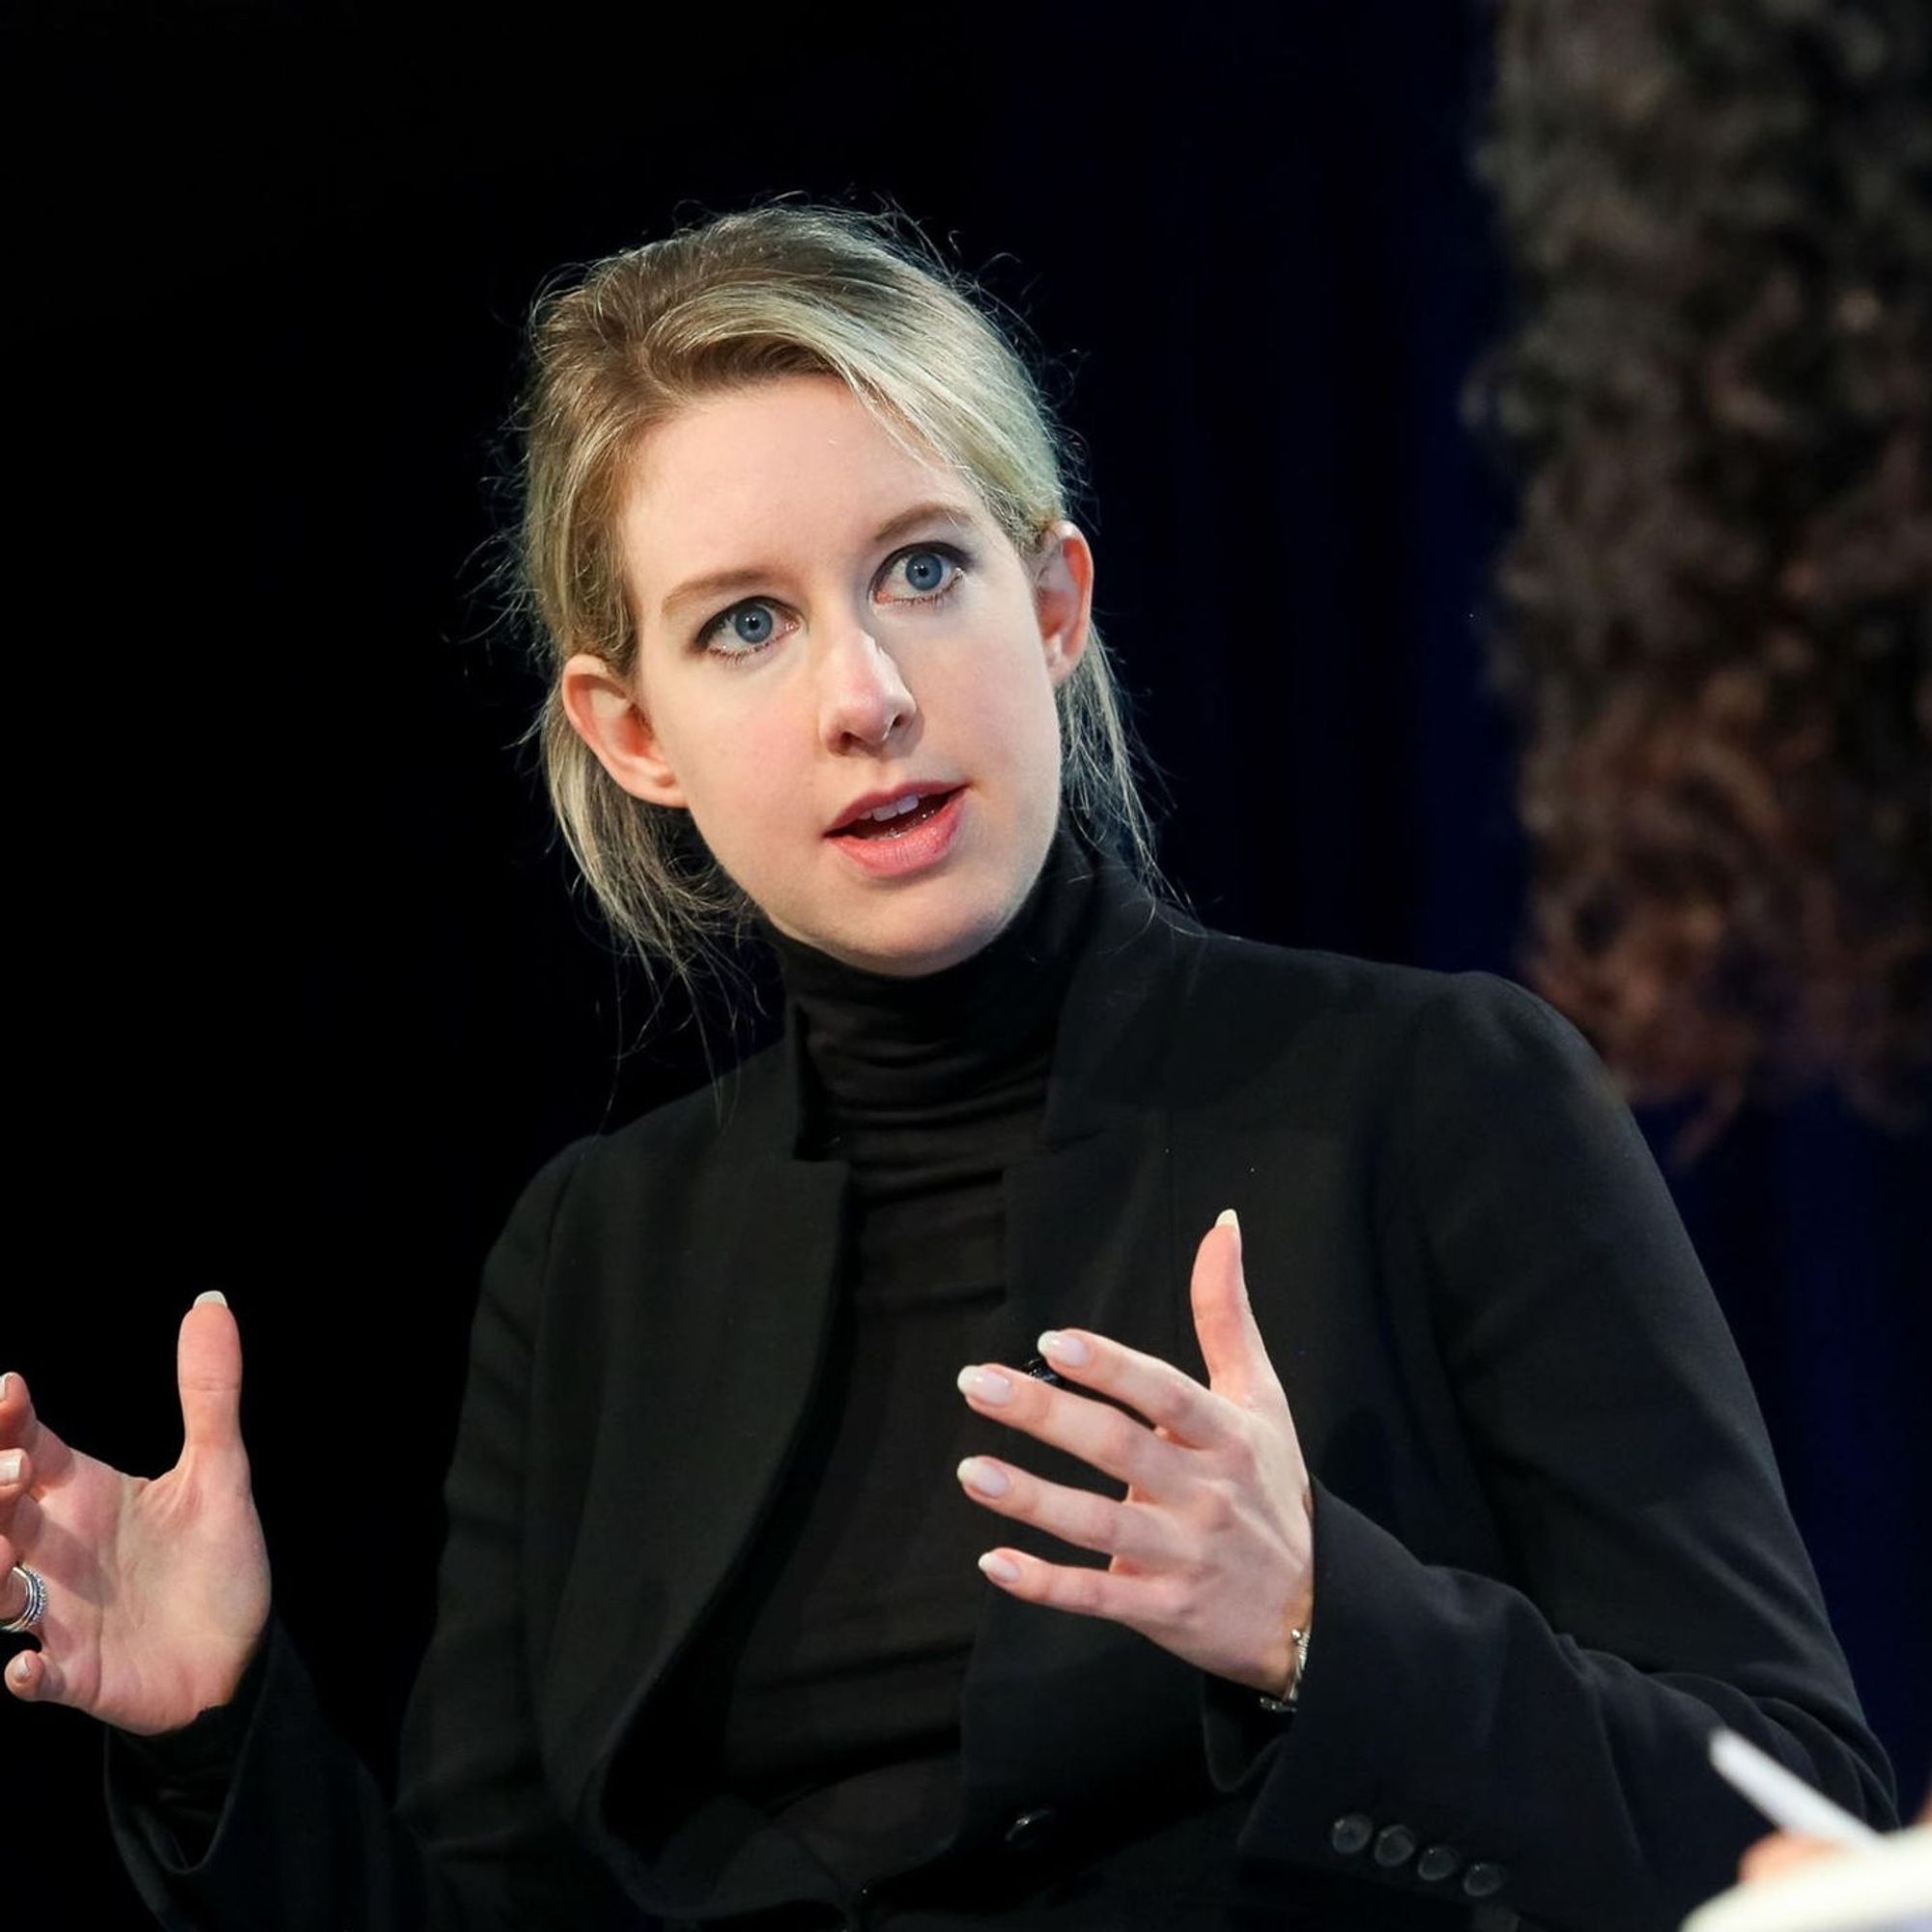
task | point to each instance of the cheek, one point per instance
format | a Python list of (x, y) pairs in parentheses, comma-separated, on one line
[(740, 786), (1029, 723)]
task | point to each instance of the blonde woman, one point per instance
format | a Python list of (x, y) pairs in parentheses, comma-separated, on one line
[(1106, 1426)]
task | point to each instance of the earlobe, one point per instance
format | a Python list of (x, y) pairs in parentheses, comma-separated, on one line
[(1064, 598), (604, 712)]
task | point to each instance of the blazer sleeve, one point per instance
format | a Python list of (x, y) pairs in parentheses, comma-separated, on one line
[(306, 1840), (1546, 1736)]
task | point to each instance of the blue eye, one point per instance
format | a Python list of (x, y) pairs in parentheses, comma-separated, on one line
[(741, 630), (928, 572)]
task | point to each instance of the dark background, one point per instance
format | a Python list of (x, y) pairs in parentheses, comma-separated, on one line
[(305, 995)]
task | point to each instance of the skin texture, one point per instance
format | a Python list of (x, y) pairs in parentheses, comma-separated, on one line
[(861, 689), (157, 1591), (1211, 1547)]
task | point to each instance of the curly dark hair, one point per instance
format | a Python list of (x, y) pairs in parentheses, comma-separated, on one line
[(1714, 612)]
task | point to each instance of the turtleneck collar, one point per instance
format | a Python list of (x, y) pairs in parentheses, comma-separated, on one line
[(879, 1047)]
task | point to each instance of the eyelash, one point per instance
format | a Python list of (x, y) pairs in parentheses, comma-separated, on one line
[(710, 632)]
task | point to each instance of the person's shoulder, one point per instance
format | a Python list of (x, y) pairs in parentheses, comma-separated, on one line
[(1141, 934), (1312, 987), (732, 1111), (1366, 992), (1320, 979), (1333, 1017)]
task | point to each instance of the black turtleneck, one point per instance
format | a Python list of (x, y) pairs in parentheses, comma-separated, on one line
[(827, 1686), (833, 1675)]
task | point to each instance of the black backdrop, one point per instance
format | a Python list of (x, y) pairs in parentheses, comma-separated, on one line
[(305, 995)]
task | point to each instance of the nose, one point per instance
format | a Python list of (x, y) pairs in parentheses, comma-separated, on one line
[(863, 699)]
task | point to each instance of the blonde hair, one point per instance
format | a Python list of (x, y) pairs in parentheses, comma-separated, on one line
[(775, 291)]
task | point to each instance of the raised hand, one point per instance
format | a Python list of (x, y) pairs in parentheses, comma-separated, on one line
[(157, 1591), (1212, 1544)]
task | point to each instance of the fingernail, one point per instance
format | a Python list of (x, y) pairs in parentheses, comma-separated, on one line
[(6, 1386), (19, 1670), (213, 1295), (988, 1385), (10, 1466), (988, 1479), (1228, 1218), (999, 1568), (1067, 1348)]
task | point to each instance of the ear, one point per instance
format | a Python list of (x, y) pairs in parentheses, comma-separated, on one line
[(1062, 579), (604, 711)]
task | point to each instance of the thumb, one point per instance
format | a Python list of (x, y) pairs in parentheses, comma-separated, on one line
[(1231, 1344), (208, 1365)]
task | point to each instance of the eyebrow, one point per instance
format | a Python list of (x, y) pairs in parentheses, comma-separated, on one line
[(723, 582)]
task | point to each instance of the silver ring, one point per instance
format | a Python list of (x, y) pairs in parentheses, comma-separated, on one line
[(36, 1606)]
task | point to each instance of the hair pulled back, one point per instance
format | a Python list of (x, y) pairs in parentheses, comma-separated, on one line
[(743, 299)]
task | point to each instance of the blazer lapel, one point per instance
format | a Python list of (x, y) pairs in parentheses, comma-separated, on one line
[(1092, 1241), (718, 1368)]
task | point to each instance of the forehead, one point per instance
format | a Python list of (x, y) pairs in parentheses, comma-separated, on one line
[(798, 461)]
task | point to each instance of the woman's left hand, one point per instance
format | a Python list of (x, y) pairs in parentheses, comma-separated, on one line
[(1212, 1544)]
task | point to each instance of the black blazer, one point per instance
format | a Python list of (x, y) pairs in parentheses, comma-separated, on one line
[(1551, 1547)]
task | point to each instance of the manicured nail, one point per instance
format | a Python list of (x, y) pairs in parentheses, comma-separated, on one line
[(1000, 1568), (213, 1295), (986, 1479), (988, 1385), (1069, 1349), (10, 1466), (1228, 1218)]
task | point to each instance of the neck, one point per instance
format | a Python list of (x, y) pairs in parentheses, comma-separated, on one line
[(874, 1040)]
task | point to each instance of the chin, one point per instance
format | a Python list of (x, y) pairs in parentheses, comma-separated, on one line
[(915, 958), (913, 945)]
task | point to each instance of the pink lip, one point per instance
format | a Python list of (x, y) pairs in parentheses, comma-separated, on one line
[(858, 808), (924, 846)]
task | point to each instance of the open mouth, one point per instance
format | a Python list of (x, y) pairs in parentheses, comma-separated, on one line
[(899, 820)]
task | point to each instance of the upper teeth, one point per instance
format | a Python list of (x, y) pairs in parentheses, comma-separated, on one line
[(899, 807)]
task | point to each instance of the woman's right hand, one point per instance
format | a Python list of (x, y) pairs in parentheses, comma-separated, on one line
[(157, 1590)]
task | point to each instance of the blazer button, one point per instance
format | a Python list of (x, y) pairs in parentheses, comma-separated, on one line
[(1031, 1830), (1351, 1833), (1439, 1861), (1395, 1846), (1483, 1879)]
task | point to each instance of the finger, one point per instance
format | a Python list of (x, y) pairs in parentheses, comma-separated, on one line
[(1783, 1851), (1231, 1344), (16, 1478), (1170, 1399), (209, 1368), (12, 1589), (21, 1427), (1126, 1530), (1087, 1593), (33, 1679), (17, 1421), (1096, 1432)]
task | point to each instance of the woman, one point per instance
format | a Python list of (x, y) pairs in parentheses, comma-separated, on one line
[(1407, 1590)]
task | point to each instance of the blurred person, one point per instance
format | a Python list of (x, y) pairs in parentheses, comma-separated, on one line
[(1715, 606)]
